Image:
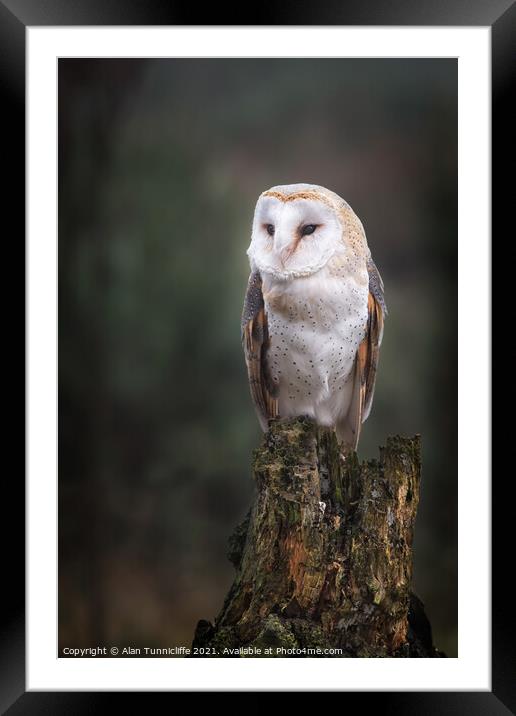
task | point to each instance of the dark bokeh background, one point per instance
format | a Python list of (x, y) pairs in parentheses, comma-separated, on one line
[(160, 165)]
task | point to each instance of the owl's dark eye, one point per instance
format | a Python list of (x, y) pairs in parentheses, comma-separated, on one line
[(308, 229), (270, 229)]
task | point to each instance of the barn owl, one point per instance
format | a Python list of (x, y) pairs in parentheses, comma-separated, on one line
[(312, 321)]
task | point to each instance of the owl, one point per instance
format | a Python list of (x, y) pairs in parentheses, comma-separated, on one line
[(313, 315)]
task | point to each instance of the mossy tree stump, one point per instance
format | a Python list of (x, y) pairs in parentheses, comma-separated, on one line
[(324, 557)]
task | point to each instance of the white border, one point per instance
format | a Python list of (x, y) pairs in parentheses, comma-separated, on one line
[(471, 670)]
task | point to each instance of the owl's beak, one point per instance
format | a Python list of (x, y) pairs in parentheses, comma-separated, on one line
[(285, 247), (285, 255)]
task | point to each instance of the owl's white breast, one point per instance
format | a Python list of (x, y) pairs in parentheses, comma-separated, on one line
[(316, 324)]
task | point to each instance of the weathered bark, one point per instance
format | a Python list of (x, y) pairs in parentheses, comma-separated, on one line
[(324, 558)]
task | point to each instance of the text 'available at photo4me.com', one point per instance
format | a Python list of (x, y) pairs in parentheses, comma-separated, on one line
[(147, 651)]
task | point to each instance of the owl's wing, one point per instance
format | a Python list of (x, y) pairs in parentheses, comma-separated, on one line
[(366, 362), (255, 341)]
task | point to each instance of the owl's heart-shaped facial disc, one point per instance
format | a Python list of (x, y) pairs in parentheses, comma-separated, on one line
[(293, 236)]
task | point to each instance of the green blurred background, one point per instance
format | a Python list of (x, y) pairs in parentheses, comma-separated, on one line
[(160, 164)]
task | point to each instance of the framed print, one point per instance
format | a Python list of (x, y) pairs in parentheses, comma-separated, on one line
[(242, 242)]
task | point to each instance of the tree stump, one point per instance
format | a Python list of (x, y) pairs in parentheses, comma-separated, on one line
[(324, 558)]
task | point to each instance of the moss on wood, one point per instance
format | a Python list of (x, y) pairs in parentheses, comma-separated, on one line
[(324, 558)]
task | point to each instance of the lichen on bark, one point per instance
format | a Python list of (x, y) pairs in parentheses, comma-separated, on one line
[(324, 557)]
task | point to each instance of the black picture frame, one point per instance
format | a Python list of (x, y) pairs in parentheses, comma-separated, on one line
[(500, 15)]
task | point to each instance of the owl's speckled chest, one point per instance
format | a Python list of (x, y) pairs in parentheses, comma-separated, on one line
[(316, 324)]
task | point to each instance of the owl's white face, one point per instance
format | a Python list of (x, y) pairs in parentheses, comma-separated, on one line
[(293, 238)]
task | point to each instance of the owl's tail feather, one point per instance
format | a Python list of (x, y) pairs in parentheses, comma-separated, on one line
[(348, 429)]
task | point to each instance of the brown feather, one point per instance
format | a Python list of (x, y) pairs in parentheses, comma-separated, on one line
[(255, 340), (366, 364)]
